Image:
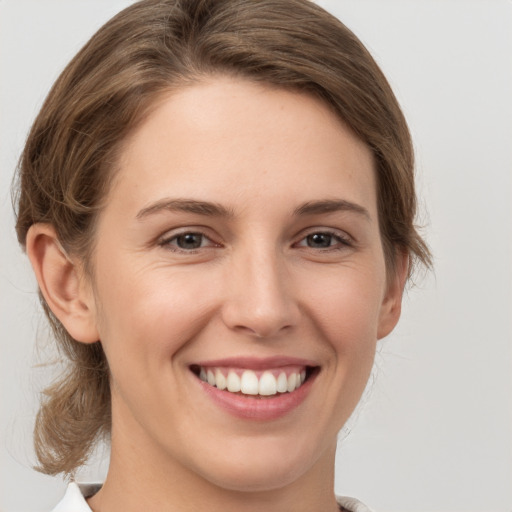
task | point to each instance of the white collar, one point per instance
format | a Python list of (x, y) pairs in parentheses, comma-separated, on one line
[(74, 499)]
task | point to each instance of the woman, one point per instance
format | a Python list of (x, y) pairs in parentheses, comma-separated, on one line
[(217, 199)]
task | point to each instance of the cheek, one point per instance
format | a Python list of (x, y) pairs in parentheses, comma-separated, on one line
[(346, 306), (153, 313)]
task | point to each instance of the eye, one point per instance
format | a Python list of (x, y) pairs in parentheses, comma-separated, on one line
[(188, 241), (325, 240), (319, 240)]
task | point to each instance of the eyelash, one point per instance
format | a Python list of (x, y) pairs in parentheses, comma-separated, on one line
[(342, 241), (167, 242)]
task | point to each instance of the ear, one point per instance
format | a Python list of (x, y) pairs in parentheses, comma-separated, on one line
[(392, 302), (62, 283)]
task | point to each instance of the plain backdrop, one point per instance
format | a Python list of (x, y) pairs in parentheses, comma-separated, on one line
[(435, 433)]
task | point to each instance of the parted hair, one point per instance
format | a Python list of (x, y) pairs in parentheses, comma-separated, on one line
[(150, 48)]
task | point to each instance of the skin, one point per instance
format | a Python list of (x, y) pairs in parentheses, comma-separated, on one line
[(257, 286)]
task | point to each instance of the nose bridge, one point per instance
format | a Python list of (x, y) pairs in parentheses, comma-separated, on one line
[(259, 300)]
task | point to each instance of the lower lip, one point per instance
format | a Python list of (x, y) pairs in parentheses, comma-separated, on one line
[(258, 409)]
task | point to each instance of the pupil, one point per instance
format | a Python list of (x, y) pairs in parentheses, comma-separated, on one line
[(189, 241), (319, 240)]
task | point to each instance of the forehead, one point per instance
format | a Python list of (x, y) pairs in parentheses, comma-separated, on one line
[(234, 139)]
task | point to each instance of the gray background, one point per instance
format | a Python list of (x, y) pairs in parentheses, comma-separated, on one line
[(435, 433)]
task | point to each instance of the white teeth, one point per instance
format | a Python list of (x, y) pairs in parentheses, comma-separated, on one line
[(249, 383), (267, 385), (233, 382), (220, 380), (292, 379), (282, 383)]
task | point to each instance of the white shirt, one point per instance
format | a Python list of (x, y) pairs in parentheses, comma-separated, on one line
[(74, 499)]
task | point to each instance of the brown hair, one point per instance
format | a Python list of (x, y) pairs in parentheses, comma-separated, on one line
[(154, 46)]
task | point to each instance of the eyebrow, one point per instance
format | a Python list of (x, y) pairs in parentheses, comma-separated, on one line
[(211, 209), (186, 205), (330, 206)]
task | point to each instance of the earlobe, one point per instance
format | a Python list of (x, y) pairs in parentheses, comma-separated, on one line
[(392, 303), (60, 281)]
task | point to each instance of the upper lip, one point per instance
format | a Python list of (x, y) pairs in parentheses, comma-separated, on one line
[(256, 363)]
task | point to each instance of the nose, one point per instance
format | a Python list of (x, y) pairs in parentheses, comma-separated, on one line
[(260, 300)]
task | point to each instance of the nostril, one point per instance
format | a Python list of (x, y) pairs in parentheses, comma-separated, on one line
[(264, 330)]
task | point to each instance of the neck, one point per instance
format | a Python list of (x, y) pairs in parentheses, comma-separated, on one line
[(139, 480)]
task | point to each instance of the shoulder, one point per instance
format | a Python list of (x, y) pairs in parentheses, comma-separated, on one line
[(75, 498), (352, 505)]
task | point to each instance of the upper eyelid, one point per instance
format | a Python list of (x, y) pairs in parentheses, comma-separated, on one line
[(341, 233), (183, 230), (173, 248), (168, 237)]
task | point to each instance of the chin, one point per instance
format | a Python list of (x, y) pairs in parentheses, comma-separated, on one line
[(259, 477), (265, 468)]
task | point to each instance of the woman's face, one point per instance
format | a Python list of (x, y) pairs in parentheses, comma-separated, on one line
[(239, 244)]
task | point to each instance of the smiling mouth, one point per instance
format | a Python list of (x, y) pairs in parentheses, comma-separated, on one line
[(252, 383)]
